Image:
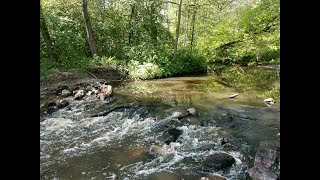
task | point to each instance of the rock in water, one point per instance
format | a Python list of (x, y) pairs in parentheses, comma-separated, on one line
[(79, 94), (183, 115), (219, 161), (89, 88), (102, 96), (176, 114), (192, 111), (61, 103), (222, 141), (171, 135), (157, 150), (269, 101), (49, 104), (259, 172), (265, 156), (65, 93), (95, 91), (96, 84), (106, 89)]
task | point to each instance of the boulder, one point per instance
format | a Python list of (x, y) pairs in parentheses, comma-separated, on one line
[(73, 88), (259, 172), (227, 147), (269, 101), (89, 93), (89, 88), (170, 135), (222, 141), (101, 96), (95, 91), (183, 115), (192, 111), (265, 157), (219, 161), (157, 150), (96, 84), (79, 94), (189, 112), (49, 104), (105, 91), (61, 103), (66, 93)]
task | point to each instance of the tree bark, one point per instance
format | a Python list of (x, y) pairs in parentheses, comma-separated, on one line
[(177, 33), (130, 38), (185, 31), (153, 24), (46, 37), (87, 24), (192, 34)]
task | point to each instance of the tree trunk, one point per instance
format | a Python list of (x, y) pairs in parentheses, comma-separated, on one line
[(87, 24), (153, 24), (46, 37), (192, 34), (131, 24), (167, 17), (185, 31), (177, 32)]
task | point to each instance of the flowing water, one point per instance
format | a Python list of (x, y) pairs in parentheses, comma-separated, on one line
[(119, 145)]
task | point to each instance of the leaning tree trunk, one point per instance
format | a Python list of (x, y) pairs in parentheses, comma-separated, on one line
[(87, 24), (46, 37), (192, 34), (177, 32)]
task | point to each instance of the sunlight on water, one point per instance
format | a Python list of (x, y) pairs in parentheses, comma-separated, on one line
[(125, 144)]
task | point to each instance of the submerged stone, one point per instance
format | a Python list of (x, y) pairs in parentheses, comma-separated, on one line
[(171, 135), (79, 94), (61, 103), (219, 161), (65, 93), (192, 111), (259, 172), (157, 150), (269, 101), (49, 104), (207, 147), (265, 156)]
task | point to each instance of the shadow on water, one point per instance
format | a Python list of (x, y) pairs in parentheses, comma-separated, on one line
[(119, 145)]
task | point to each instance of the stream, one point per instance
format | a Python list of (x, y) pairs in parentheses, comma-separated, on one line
[(126, 143)]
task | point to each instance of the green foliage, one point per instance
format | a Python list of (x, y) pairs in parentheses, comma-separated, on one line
[(189, 63), (66, 30), (144, 71), (253, 26), (138, 35), (46, 66)]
